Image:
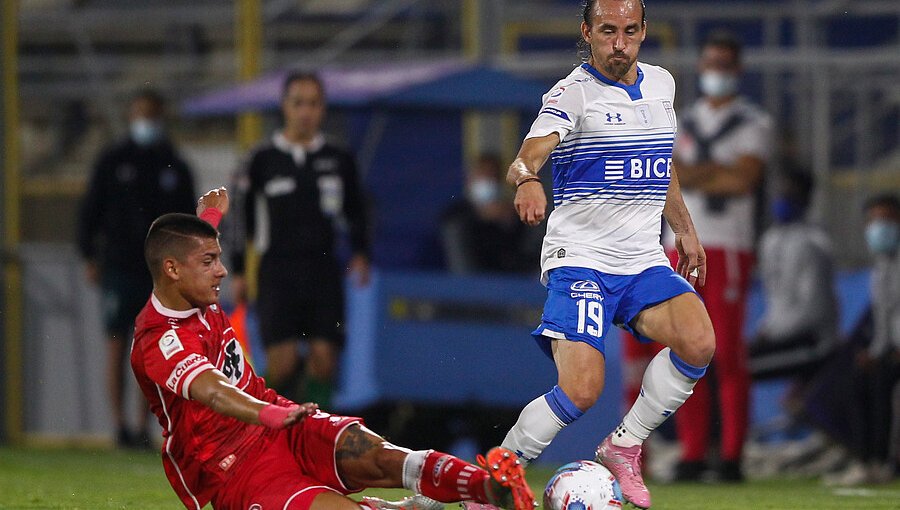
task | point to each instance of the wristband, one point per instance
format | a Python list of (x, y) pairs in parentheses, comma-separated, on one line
[(212, 216), (528, 179), (273, 416)]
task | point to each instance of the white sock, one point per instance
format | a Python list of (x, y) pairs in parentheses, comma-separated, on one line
[(412, 469), (664, 388), (535, 429)]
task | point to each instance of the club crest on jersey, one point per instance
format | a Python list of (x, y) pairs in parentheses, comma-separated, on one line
[(561, 253), (642, 111), (169, 344)]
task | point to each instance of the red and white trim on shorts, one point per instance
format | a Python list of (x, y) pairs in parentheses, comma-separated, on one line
[(301, 491)]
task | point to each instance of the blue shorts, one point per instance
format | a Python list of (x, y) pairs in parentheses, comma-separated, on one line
[(583, 304)]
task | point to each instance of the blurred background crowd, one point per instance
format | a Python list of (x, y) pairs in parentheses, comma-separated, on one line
[(116, 111)]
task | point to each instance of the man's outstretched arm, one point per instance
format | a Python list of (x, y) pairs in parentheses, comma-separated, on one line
[(691, 256), (212, 389)]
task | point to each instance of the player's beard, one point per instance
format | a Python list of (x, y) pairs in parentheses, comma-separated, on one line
[(616, 68)]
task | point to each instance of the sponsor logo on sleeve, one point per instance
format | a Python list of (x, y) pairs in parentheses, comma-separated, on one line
[(169, 344), (556, 112), (181, 369)]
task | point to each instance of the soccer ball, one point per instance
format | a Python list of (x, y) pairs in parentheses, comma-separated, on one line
[(583, 485)]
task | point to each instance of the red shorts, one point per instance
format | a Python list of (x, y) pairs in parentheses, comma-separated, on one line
[(291, 470)]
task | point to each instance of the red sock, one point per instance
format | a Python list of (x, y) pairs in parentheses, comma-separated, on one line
[(448, 479)]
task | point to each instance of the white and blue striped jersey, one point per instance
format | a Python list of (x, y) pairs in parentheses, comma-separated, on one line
[(611, 170)]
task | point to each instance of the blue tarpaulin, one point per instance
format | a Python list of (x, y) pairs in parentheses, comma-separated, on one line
[(448, 84)]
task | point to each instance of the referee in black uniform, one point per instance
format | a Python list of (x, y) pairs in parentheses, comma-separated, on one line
[(296, 191)]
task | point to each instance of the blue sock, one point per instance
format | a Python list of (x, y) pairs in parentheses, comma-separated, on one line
[(687, 369), (562, 406)]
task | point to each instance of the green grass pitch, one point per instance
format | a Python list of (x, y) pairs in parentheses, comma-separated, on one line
[(96, 479)]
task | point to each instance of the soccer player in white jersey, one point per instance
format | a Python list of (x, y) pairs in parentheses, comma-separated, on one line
[(609, 128)]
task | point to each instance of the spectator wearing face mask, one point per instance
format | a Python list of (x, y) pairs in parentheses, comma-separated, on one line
[(134, 181), (481, 233), (870, 374), (721, 152), (799, 328)]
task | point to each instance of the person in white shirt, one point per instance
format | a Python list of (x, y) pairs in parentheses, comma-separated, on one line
[(799, 328), (721, 152)]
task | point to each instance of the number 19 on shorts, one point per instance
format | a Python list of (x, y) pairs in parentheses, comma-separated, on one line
[(590, 317)]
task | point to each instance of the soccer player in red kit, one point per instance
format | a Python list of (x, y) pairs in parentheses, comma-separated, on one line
[(229, 440)]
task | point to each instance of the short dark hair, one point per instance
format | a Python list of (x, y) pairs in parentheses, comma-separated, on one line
[(727, 40), (295, 76), (799, 184), (584, 49), (149, 94), (588, 6), (170, 235), (888, 200)]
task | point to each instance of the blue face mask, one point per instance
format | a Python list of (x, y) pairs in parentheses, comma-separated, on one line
[(785, 210), (146, 132), (882, 236)]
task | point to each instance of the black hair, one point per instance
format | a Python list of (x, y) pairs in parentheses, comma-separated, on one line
[(584, 49), (888, 200), (295, 76), (727, 40), (799, 185), (174, 235), (149, 94)]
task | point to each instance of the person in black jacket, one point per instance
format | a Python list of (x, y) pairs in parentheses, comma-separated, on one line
[(296, 191), (480, 232), (134, 181)]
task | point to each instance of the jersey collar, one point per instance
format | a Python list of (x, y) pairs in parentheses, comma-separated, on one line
[(633, 91), (177, 314), (296, 150)]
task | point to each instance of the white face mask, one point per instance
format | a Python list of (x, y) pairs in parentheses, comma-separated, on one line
[(718, 84), (146, 132), (483, 191)]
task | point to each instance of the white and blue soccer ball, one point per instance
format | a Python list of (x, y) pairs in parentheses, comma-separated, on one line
[(583, 485)]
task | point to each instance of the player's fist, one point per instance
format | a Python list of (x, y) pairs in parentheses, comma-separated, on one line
[(531, 202), (213, 199)]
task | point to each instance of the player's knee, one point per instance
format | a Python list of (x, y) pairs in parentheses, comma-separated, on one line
[(695, 344), (584, 396)]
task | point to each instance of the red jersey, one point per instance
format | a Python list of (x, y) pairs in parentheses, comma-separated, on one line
[(201, 448)]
